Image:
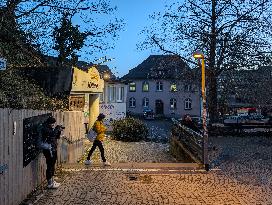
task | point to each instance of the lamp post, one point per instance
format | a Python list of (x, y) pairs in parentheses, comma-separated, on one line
[(200, 56)]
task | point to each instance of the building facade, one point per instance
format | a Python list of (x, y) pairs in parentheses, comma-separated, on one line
[(164, 84)]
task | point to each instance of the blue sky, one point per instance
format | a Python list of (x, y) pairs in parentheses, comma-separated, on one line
[(135, 14)]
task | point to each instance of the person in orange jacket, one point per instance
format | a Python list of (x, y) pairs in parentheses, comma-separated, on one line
[(100, 129)]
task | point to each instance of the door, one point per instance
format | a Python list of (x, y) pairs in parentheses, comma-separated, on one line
[(159, 107)]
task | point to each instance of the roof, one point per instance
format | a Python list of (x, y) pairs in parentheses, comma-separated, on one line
[(55, 81), (53, 62), (159, 67)]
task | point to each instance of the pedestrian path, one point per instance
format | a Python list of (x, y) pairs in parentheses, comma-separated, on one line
[(124, 152), (110, 187), (143, 178)]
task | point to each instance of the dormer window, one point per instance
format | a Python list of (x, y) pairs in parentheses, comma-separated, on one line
[(173, 87), (159, 86), (145, 86), (132, 87)]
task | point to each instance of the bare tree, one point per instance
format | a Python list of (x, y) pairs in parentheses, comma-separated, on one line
[(231, 34), (31, 22)]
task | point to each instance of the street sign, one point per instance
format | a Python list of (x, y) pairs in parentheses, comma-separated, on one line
[(3, 64)]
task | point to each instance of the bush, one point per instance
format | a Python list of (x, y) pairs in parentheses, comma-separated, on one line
[(129, 130)]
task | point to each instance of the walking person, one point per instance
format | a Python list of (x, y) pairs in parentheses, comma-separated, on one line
[(100, 129), (48, 135)]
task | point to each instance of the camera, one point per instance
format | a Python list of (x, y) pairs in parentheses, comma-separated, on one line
[(60, 127)]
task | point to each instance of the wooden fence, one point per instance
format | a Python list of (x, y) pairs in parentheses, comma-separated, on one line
[(16, 181)]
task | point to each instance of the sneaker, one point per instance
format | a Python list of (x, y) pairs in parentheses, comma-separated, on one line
[(106, 164), (53, 185), (87, 162)]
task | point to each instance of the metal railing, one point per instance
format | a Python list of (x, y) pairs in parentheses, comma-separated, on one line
[(190, 141)]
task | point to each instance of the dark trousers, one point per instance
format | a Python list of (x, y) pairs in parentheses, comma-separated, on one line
[(50, 163), (98, 144)]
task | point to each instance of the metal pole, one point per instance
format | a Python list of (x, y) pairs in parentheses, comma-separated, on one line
[(204, 118)]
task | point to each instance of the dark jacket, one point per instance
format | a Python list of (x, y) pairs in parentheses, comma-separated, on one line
[(47, 134)]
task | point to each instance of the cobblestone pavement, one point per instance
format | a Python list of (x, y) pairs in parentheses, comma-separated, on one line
[(117, 151), (246, 159), (114, 187), (244, 177)]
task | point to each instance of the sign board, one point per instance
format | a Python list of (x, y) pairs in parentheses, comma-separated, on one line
[(113, 111), (89, 81), (3, 64)]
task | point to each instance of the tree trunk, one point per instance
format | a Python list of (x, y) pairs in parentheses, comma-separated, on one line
[(212, 97), (212, 83)]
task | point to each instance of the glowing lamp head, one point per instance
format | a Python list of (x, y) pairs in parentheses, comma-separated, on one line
[(198, 55), (106, 76)]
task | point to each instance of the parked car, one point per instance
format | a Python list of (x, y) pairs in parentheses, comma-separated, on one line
[(243, 119), (235, 119), (148, 114)]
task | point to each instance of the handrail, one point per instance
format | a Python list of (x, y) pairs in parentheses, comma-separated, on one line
[(189, 140)]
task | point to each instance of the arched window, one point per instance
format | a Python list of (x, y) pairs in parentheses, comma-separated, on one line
[(173, 104), (132, 87), (159, 86), (145, 102), (173, 87), (145, 86), (188, 104), (132, 102)]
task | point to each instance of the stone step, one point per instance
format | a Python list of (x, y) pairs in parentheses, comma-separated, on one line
[(135, 167)]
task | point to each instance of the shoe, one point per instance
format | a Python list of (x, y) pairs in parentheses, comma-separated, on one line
[(106, 164), (87, 162), (53, 185)]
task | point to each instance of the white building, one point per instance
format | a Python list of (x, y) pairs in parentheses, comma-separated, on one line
[(113, 100)]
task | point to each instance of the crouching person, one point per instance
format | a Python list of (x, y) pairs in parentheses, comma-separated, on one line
[(100, 129), (48, 134)]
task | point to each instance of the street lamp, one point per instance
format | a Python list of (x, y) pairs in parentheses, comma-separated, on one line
[(106, 76), (200, 56)]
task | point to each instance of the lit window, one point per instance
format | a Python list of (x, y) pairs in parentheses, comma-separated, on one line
[(132, 87), (173, 104), (112, 93), (188, 104), (173, 87), (145, 86), (145, 102), (132, 102), (120, 94), (159, 86)]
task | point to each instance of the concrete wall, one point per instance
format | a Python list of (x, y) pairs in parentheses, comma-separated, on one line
[(165, 96)]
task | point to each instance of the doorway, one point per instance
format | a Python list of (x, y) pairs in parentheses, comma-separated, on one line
[(159, 107)]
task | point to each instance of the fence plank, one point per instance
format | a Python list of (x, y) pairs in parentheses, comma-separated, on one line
[(18, 181), (2, 147)]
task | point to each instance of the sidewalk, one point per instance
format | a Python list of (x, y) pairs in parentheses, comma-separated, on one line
[(243, 176), (110, 187)]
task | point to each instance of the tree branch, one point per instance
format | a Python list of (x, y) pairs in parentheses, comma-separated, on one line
[(171, 52)]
